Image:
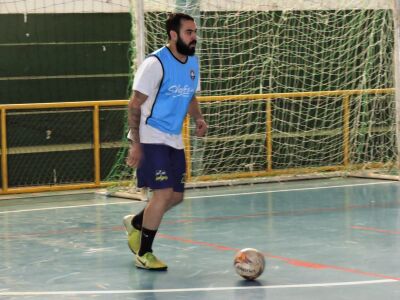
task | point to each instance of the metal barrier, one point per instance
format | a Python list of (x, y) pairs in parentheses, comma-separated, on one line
[(96, 105)]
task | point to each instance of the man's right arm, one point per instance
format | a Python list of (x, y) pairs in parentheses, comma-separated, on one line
[(147, 79), (134, 113)]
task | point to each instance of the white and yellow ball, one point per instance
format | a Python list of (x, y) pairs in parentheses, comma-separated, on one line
[(249, 263)]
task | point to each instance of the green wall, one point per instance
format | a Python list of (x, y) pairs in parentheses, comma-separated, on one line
[(83, 56)]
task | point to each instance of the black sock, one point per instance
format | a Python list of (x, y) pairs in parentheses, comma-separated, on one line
[(146, 241), (138, 220)]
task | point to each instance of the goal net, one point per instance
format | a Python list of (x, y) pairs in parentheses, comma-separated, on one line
[(287, 87)]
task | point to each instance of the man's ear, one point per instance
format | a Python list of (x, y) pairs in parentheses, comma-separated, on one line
[(174, 35)]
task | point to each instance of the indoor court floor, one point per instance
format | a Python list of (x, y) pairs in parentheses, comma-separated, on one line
[(327, 239)]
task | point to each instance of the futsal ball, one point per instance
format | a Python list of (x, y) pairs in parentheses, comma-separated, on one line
[(249, 263)]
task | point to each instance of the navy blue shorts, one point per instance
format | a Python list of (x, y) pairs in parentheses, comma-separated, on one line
[(162, 167)]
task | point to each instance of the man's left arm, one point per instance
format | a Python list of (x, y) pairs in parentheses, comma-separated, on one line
[(195, 112)]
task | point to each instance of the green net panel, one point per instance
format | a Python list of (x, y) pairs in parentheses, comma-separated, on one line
[(288, 49)]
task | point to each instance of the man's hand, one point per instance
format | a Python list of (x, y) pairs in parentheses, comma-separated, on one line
[(201, 127), (134, 155)]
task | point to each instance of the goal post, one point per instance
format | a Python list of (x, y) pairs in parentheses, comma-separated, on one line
[(396, 13), (290, 88)]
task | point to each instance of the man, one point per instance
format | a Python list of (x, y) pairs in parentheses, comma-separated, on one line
[(163, 93)]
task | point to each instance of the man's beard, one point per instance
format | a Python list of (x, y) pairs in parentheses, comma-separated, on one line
[(185, 49)]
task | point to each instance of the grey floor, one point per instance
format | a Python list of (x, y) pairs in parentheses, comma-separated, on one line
[(322, 239)]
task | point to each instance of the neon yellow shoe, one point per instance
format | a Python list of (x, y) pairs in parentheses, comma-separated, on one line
[(150, 262), (133, 234), (128, 223)]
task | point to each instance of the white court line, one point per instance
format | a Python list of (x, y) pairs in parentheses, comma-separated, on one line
[(211, 289), (291, 190), (205, 196), (64, 207)]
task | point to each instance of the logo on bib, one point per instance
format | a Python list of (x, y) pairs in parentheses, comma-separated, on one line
[(192, 74), (180, 91)]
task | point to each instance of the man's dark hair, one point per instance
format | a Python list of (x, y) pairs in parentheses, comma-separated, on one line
[(174, 22)]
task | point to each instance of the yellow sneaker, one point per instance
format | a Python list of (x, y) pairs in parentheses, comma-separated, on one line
[(133, 234), (128, 223), (150, 262), (134, 240)]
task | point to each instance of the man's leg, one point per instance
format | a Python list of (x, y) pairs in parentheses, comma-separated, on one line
[(153, 155), (136, 221), (159, 203), (165, 174), (133, 223)]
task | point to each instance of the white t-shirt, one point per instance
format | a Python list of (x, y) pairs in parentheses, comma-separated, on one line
[(147, 81)]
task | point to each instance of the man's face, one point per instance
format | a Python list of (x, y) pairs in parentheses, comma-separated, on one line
[(187, 38)]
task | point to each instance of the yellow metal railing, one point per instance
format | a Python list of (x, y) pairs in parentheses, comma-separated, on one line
[(4, 167), (345, 94), (96, 105)]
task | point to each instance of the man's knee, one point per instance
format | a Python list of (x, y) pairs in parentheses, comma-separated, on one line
[(177, 198), (163, 195)]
